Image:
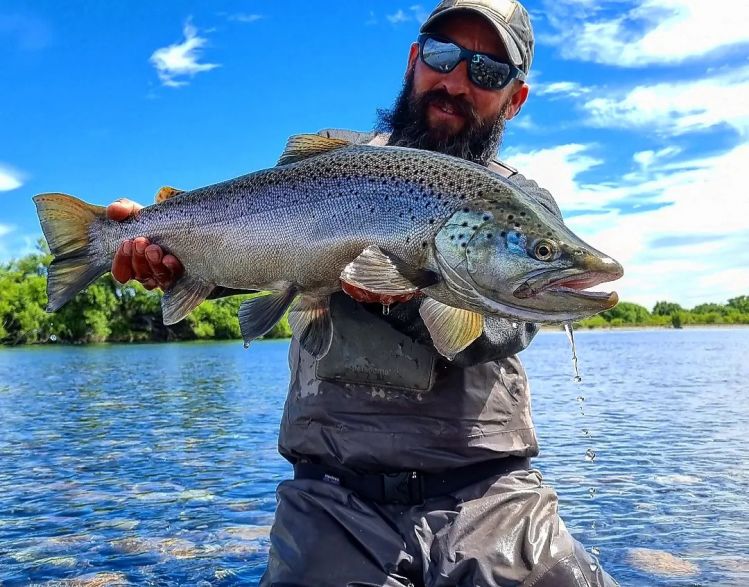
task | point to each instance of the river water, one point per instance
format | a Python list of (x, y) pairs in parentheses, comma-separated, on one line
[(157, 464)]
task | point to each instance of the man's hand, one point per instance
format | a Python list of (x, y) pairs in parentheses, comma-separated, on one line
[(138, 259)]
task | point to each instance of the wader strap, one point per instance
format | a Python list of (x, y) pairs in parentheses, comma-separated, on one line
[(410, 487)]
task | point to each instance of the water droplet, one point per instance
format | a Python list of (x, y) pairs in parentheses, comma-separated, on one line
[(586, 432), (595, 550), (593, 567), (571, 337), (590, 455), (53, 337), (580, 398), (592, 491), (386, 309), (514, 324)]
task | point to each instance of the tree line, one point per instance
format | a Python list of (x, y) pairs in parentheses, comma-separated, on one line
[(107, 311)]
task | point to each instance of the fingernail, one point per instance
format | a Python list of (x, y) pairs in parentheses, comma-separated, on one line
[(140, 247), (127, 248), (152, 255)]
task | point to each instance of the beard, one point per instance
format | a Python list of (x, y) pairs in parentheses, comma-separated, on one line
[(408, 125)]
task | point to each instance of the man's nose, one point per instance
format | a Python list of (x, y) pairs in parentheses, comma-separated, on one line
[(456, 82)]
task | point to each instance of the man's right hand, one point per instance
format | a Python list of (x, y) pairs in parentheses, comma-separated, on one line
[(137, 258)]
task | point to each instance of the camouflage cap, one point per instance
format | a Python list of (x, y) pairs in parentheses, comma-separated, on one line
[(509, 18)]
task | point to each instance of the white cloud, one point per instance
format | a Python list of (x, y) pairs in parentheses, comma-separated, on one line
[(245, 17), (181, 60), (6, 229), (10, 179), (567, 89), (642, 32), (695, 249), (676, 107), (398, 17), (415, 12), (420, 13), (646, 158)]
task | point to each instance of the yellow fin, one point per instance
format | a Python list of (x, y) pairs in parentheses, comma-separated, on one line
[(71, 228), (300, 147), (167, 192), (451, 329)]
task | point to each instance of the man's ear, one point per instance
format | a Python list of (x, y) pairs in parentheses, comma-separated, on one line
[(413, 55), (517, 100)]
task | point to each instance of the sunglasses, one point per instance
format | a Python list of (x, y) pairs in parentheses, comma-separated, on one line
[(484, 70)]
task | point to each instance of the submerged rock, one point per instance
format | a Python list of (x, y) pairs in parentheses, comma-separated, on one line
[(660, 562)]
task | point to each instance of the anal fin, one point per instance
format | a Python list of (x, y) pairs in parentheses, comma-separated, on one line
[(310, 321)]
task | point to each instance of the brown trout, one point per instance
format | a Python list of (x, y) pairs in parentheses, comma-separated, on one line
[(388, 221)]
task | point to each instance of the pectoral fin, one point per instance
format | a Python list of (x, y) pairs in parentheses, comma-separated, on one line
[(167, 192), (383, 273), (183, 297), (258, 315), (310, 321), (451, 329)]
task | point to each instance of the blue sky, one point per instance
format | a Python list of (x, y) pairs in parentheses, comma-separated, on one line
[(638, 121)]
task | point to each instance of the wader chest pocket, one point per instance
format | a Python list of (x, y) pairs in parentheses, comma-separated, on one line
[(368, 351)]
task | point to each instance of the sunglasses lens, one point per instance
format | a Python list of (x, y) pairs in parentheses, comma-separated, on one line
[(440, 56), (488, 73)]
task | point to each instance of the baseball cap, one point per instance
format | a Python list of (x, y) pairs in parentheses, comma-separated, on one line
[(508, 17)]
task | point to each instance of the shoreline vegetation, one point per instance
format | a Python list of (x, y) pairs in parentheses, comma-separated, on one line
[(109, 312)]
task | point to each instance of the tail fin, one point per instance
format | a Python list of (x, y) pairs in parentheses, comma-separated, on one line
[(67, 223)]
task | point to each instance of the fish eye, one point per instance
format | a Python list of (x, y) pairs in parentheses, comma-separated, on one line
[(544, 250)]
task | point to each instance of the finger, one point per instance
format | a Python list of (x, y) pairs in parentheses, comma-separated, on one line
[(122, 209), (149, 284), (140, 264), (122, 263), (161, 273), (173, 264)]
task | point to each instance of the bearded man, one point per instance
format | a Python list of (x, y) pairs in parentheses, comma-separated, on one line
[(410, 469)]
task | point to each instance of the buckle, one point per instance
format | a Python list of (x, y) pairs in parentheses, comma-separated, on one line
[(404, 488)]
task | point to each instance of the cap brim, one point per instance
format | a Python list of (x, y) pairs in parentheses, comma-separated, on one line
[(507, 39)]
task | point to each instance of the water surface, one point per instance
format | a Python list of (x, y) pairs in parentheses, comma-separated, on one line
[(158, 464)]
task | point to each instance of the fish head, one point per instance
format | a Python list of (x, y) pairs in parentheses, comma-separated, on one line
[(506, 254)]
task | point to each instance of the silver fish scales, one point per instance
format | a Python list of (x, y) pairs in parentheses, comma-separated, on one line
[(388, 221)]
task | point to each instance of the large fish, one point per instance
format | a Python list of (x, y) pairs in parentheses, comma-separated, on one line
[(386, 221)]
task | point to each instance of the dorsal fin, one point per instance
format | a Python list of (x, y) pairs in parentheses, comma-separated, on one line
[(300, 147), (167, 192)]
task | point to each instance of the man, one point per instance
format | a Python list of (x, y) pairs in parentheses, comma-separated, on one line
[(411, 469)]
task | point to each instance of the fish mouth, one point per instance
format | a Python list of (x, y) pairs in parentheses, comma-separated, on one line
[(570, 284)]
